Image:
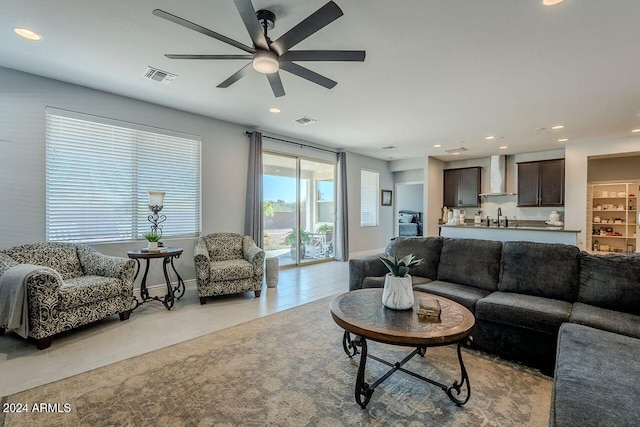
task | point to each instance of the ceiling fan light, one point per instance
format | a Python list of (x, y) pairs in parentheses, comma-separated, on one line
[(265, 62)]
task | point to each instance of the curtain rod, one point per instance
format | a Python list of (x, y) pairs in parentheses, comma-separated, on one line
[(295, 143)]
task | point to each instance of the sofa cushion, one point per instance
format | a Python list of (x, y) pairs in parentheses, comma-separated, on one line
[(62, 257), (378, 282), (462, 294), (596, 379), (525, 311), (470, 262), (610, 281), (231, 269), (425, 248), (547, 270), (607, 320), (81, 291)]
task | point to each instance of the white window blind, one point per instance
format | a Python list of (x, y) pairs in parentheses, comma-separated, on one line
[(98, 172), (369, 198)]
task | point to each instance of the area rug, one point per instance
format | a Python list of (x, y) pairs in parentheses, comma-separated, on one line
[(286, 369)]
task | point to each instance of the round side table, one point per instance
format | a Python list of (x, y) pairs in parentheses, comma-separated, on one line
[(173, 292)]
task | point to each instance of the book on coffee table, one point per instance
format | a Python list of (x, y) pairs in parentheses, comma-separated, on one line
[(428, 307)]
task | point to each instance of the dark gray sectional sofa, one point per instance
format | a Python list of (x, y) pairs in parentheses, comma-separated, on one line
[(524, 295)]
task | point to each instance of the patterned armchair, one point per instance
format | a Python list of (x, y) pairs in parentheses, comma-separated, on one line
[(227, 263), (69, 286)]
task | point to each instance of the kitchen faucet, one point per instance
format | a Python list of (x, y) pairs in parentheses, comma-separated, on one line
[(499, 215)]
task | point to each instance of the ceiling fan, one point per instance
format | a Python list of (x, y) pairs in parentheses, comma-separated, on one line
[(266, 56)]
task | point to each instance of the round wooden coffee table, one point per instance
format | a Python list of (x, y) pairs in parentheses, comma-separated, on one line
[(361, 313)]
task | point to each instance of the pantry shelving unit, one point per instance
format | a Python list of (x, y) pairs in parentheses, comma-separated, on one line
[(612, 217)]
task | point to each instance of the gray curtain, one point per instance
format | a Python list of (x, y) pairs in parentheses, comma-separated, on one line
[(342, 222), (253, 205)]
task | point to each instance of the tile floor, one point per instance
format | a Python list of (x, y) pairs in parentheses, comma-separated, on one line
[(151, 327)]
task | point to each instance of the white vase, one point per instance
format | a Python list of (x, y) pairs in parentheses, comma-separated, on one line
[(398, 292), (152, 245)]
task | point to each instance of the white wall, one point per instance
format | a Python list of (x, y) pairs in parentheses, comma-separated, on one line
[(413, 175), (409, 197), (434, 193), (576, 167), (365, 240), (224, 164), (614, 169)]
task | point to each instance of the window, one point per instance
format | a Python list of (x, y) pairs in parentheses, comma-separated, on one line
[(326, 200), (369, 191), (98, 172)]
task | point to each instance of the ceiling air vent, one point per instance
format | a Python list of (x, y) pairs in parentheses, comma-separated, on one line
[(305, 121), (159, 75), (455, 150)]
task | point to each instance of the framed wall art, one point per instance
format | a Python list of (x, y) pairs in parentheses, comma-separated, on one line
[(386, 197)]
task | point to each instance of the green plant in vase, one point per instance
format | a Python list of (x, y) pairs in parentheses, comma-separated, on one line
[(152, 237), (398, 289), (400, 267)]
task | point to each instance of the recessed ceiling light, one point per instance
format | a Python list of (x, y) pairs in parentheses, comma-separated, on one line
[(440, 145), (27, 34), (551, 2), (635, 130), (563, 139), (489, 137), (274, 110), (556, 127), (456, 153), (504, 147)]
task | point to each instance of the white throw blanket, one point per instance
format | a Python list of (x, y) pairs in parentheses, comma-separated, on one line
[(14, 307)]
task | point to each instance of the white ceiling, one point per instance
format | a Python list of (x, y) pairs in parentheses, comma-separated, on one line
[(436, 71)]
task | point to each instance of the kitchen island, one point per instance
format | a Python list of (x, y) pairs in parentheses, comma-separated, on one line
[(542, 234)]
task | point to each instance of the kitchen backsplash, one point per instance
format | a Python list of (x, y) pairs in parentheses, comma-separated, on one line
[(509, 207)]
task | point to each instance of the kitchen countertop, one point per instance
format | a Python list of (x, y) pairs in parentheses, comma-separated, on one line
[(512, 228)]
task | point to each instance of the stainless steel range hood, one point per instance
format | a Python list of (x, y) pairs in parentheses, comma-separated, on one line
[(498, 177)]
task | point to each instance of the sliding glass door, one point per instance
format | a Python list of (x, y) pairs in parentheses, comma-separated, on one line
[(299, 208)]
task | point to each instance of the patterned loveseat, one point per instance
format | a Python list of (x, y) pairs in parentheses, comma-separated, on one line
[(227, 263), (69, 286)]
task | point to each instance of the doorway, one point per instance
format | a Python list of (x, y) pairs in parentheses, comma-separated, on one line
[(409, 198), (299, 203)]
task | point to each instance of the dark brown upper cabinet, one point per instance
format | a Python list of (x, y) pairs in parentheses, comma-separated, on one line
[(541, 183), (461, 187)]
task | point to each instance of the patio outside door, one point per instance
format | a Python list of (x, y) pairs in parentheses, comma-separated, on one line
[(299, 208)]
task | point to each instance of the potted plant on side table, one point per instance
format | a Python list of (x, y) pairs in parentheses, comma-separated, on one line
[(398, 291), (153, 237)]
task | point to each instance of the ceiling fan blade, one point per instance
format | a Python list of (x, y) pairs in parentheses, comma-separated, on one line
[(236, 76), (324, 55), (307, 74), (202, 30), (276, 84), (186, 56), (248, 15), (314, 22)]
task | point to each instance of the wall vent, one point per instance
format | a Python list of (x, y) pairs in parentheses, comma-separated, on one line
[(455, 150), (305, 121), (159, 75)]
